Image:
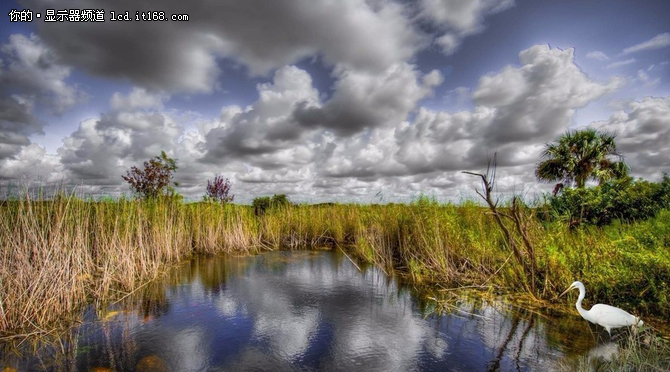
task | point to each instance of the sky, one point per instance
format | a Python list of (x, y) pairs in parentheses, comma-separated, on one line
[(324, 100)]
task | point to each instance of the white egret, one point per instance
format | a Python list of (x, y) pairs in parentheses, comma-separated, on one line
[(604, 315)]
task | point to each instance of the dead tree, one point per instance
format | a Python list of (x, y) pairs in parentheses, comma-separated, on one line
[(516, 216)]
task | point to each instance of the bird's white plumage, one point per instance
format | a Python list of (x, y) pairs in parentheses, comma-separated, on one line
[(607, 316)]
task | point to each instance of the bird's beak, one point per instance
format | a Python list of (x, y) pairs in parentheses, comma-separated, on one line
[(566, 291)]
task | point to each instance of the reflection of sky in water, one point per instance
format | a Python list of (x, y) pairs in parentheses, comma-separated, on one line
[(305, 311)]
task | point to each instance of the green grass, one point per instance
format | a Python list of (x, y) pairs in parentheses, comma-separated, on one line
[(58, 255)]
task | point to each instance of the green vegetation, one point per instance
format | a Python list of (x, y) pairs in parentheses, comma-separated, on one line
[(623, 199), (263, 203)]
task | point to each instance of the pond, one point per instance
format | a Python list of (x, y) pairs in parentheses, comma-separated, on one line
[(303, 310)]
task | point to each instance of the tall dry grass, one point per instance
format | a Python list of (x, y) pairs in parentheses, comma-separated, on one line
[(58, 255)]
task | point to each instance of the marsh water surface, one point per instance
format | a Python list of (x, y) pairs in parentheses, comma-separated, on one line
[(315, 310)]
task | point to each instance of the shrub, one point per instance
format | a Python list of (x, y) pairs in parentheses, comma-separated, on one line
[(279, 199), (263, 203), (219, 190), (623, 199), (154, 179)]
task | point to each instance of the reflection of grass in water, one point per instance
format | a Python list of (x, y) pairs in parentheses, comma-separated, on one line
[(642, 351), (84, 349), (58, 350), (516, 329), (151, 363), (583, 350)]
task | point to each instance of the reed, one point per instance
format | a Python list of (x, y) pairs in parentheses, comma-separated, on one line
[(58, 255)]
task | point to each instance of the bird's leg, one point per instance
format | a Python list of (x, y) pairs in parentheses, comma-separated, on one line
[(592, 333)]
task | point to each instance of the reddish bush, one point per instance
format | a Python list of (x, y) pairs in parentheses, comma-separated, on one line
[(154, 179), (218, 190)]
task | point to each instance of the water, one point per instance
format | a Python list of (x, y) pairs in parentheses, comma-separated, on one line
[(288, 311)]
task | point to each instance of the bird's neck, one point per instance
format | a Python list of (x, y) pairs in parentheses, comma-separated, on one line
[(584, 313)]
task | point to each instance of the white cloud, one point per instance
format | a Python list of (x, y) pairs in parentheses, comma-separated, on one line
[(597, 55), (449, 43), (647, 81), (266, 126), (643, 135), (642, 75), (617, 64), (458, 19), (17, 122), (657, 42), (32, 163), (516, 111), (463, 16), (102, 149), (459, 94), (138, 98), (368, 100), (537, 100)]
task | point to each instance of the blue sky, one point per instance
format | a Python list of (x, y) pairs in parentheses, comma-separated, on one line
[(325, 100)]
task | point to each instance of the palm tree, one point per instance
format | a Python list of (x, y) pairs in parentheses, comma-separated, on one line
[(578, 156)]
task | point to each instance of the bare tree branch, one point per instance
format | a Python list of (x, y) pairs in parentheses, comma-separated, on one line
[(488, 183)]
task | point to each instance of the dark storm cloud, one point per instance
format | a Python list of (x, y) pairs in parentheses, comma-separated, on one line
[(30, 68), (262, 35), (29, 75), (16, 124)]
